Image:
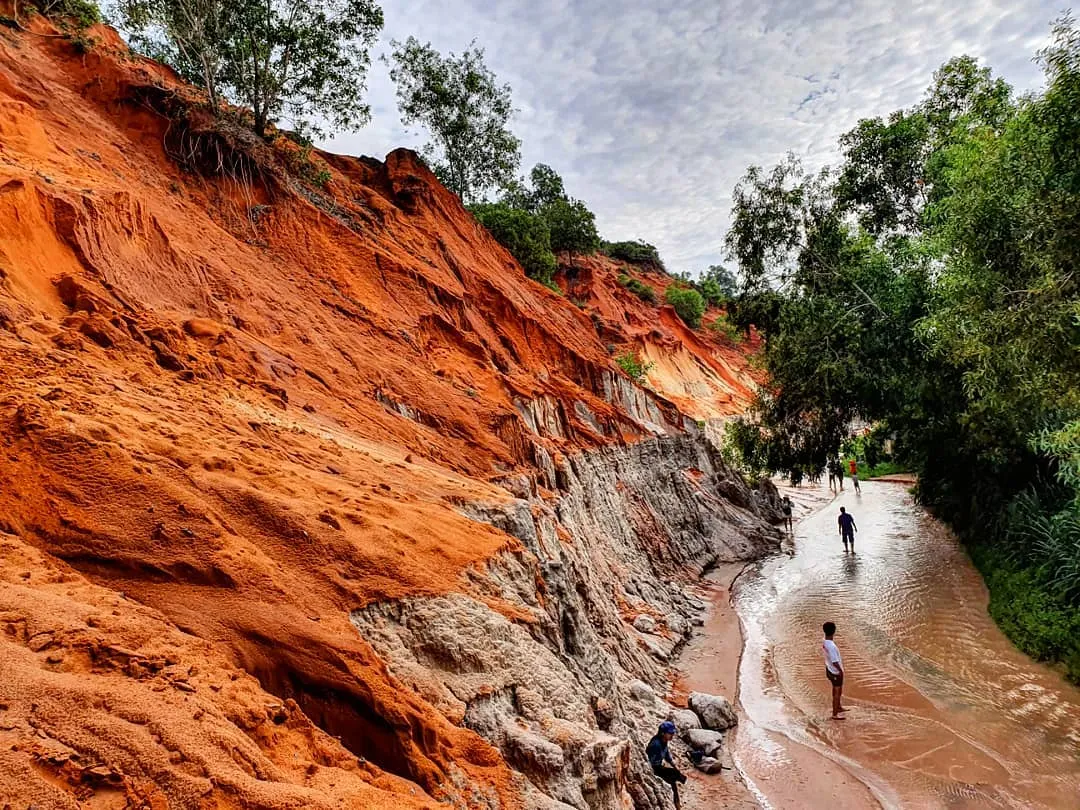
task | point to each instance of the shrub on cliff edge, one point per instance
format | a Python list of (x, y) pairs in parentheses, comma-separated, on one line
[(688, 304)]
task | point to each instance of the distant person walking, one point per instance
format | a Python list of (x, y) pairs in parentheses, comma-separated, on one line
[(832, 474), (660, 759), (840, 474), (854, 470), (834, 669), (786, 506), (847, 529)]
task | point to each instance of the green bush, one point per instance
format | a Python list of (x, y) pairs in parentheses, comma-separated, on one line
[(523, 234), (687, 302), (638, 288), (632, 365), (1042, 625), (635, 252), (726, 329)]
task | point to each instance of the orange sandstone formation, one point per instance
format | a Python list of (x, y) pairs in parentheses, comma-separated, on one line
[(240, 410)]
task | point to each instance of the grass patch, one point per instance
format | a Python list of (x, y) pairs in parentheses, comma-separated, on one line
[(1043, 626)]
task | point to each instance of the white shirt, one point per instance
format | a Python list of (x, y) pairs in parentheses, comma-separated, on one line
[(832, 656)]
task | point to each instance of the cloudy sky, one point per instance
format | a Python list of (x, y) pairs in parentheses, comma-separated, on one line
[(651, 110)]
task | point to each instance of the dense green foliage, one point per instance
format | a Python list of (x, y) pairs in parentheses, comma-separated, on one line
[(535, 223), (466, 112), (523, 234), (638, 288), (302, 60), (717, 285), (932, 282), (571, 224), (688, 303), (635, 252)]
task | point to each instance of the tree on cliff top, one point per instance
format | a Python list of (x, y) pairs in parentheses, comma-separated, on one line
[(466, 112), (305, 60), (571, 224)]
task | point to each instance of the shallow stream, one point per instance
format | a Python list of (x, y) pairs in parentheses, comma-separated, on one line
[(943, 712)]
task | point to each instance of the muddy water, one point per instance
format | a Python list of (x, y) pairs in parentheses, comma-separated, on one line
[(943, 712)]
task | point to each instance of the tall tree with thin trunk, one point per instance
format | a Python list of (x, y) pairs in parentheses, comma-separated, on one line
[(466, 112)]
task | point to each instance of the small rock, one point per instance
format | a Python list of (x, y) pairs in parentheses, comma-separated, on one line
[(39, 641), (715, 711), (642, 691), (645, 624), (709, 765), (684, 720), (184, 686), (704, 740)]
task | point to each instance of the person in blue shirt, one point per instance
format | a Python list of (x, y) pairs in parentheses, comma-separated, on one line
[(660, 758), (847, 529)]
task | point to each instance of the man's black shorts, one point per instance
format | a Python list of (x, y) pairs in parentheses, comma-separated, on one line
[(849, 537), (835, 680)]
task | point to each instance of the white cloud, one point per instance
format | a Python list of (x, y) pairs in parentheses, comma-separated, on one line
[(652, 110)]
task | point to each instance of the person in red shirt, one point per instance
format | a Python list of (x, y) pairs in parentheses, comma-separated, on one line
[(854, 470)]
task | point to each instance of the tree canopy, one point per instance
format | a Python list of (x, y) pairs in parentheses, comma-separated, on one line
[(302, 61), (465, 111)]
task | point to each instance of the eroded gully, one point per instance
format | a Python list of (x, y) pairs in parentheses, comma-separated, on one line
[(943, 711)]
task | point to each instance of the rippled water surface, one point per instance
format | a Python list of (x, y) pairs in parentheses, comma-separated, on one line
[(942, 710)]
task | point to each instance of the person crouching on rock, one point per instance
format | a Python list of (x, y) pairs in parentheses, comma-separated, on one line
[(660, 758)]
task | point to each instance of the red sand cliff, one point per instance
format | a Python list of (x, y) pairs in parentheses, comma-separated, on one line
[(230, 413)]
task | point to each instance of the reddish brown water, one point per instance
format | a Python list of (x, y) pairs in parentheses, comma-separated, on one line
[(943, 712)]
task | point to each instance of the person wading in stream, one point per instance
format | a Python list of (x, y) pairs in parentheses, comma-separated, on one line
[(834, 669), (853, 468), (847, 529), (786, 506), (660, 758)]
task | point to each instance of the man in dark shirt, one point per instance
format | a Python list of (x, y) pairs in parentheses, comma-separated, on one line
[(847, 529), (660, 758)]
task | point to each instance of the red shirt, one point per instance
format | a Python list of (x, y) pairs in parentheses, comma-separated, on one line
[(851, 466)]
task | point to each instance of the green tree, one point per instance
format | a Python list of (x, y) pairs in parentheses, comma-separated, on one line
[(687, 302), (302, 60), (525, 235), (571, 224), (466, 113)]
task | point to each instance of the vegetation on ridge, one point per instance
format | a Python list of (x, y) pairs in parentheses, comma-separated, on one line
[(305, 60)]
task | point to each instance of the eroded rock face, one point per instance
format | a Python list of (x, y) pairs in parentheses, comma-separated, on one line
[(547, 636)]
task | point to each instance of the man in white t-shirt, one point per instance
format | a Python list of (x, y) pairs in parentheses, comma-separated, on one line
[(834, 669)]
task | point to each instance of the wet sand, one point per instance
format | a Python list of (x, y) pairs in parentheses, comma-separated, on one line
[(943, 711)]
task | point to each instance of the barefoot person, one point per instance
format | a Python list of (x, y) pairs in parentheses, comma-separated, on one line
[(847, 529), (853, 468), (786, 506), (834, 669), (660, 758)]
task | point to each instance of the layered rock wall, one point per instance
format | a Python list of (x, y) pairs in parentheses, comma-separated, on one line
[(559, 652)]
